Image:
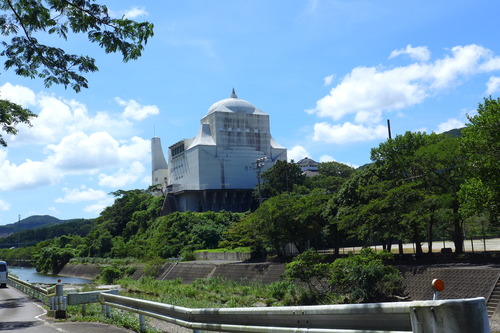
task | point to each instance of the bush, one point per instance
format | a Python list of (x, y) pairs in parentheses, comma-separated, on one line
[(365, 278), (109, 274)]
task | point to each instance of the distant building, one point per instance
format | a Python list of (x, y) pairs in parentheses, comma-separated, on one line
[(308, 166), (217, 170)]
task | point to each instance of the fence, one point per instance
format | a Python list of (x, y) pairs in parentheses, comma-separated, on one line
[(443, 316)]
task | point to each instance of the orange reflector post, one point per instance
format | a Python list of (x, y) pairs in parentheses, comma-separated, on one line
[(438, 285)]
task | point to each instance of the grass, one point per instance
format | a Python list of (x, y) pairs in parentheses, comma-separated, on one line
[(202, 293), (118, 317)]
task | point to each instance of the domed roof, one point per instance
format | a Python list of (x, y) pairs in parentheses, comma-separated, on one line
[(234, 104)]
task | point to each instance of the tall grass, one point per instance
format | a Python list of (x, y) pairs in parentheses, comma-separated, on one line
[(219, 292)]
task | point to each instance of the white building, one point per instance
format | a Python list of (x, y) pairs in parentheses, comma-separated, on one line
[(216, 170)]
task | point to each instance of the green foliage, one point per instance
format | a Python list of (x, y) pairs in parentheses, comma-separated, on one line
[(308, 268), (289, 293), (109, 274), (50, 259), (218, 292), (30, 58), (171, 235), (284, 219), (26, 22), (281, 178), (10, 116), (21, 255), (365, 278), (47, 231), (480, 144)]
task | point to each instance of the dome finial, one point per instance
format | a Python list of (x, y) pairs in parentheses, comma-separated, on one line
[(233, 94)]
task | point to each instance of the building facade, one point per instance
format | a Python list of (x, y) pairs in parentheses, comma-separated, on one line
[(217, 169)]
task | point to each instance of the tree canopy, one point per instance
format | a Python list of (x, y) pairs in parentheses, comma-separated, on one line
[(28, 23)]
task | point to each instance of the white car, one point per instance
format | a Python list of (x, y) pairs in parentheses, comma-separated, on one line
[(3, 274)]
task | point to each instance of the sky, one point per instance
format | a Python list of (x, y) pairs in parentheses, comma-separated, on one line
[(329, 74)]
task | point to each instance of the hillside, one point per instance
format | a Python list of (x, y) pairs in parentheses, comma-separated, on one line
[(75, 227), (32, 222)]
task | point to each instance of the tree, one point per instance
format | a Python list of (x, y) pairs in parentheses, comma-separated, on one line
[(281, 178), (10, 115), (284, 219), (481, 146), (25, 20)]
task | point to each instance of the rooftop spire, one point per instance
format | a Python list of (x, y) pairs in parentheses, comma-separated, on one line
[(233, 94)]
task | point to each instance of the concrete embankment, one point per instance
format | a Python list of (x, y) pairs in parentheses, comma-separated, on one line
[(461, 282)]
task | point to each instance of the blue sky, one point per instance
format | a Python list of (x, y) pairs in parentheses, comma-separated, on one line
[(329, 74)]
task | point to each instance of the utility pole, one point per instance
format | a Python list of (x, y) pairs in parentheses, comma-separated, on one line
[(19, 231), (259, 164)]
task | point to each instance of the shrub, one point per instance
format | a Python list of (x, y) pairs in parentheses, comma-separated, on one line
[(365, 278), (109, 274)]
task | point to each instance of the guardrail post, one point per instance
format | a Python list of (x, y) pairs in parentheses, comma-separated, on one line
[(60, 308), (142, 323), (106, 310)]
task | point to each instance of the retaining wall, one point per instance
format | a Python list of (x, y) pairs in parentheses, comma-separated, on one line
[(467, 282)]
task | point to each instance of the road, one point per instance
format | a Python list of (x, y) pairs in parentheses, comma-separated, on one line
[(21, 313)]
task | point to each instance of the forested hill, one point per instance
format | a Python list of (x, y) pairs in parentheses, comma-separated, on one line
[(32, 222), (75, 227)]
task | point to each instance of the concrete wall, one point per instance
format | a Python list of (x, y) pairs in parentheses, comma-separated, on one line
[(229, 256)]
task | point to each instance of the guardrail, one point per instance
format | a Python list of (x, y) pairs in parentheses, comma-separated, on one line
[(457, 315), (34, 291), (52, 297)]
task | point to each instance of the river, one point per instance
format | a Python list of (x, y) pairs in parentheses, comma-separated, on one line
[(29, 274)]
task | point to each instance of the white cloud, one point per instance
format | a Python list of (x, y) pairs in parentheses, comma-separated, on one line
[(375, 89), (136, 111), (419, 53), (123, 177), (97, 208), (76, 154), (4, 206), (82, 194), (326, 158), (53, 210), (131, 13), (28, 174), (57, 117), (449, 125), (297, 153), (347, 133), (366, 93), (328, 80), (493, 85), (368, 90), (80, 151), (18, 94), (135, 12)]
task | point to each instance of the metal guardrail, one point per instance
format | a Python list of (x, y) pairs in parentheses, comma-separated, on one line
[(34, 291), (457, 315), (52, 297)]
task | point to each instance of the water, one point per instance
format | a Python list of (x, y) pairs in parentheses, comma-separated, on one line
[(30, 275)]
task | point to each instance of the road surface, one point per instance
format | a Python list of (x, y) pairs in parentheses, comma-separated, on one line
[(23, 314)]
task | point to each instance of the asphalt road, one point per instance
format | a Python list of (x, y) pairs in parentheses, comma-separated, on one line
[(21, 313)]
